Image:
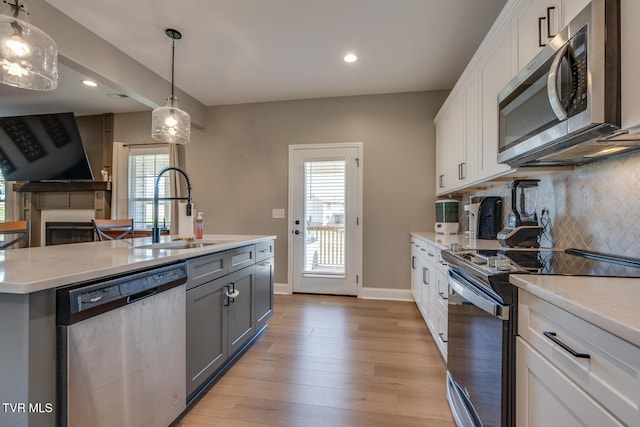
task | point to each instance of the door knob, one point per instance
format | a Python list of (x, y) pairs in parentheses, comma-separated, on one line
[(297, 231)]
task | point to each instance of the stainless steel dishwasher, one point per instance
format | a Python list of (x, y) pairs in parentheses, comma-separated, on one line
[(121, 349)]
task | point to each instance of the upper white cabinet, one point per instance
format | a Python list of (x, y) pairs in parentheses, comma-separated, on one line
[(495, 72), (467, 125), (533, 23)]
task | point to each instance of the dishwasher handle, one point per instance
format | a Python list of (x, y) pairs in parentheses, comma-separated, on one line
[(141, 295)]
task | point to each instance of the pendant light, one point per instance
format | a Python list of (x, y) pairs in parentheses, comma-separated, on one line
[(28, 56), (170, 123)]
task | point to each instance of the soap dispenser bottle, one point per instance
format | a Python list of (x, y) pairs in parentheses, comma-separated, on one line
[(199, 226)]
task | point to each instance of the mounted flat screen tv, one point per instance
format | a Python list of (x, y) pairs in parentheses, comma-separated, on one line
[(43, 147)]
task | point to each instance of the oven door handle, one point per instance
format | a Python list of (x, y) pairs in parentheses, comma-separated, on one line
[(498, 310)]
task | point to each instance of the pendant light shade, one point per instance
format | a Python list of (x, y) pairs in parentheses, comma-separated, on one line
[(170, 123), (28, 56)]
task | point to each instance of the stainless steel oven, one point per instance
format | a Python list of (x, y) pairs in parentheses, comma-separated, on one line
[(483, 323), (481, 330)]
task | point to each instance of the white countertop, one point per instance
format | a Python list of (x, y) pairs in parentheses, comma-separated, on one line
[(609, 303), (28, 270), (444, 241)]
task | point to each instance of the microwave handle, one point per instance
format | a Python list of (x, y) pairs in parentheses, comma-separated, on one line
[(552, 84)]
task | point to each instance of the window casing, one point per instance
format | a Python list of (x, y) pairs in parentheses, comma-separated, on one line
[(145, 162)]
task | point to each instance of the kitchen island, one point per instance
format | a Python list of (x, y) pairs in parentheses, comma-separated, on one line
[(29, 279)]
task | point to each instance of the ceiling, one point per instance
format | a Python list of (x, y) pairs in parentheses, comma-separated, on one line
[(239, 51)]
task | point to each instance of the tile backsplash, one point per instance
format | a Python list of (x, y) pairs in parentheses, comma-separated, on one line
[(594, 206)]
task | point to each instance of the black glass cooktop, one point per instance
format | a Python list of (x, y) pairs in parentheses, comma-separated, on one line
[(572, 262)]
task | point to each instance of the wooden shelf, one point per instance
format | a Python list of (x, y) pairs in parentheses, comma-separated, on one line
[(42, 187)]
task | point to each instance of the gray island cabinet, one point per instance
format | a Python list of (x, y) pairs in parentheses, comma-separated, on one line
[(229, 297), (229, 300)]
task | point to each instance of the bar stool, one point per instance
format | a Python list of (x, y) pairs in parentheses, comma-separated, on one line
[(19, 228), (108, 229)]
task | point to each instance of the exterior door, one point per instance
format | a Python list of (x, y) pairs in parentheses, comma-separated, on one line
[(325, 243)]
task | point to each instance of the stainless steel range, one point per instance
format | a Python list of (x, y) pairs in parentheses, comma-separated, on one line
[(482, 322)]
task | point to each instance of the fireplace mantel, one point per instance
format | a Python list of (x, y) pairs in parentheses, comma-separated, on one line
[(42, 187)]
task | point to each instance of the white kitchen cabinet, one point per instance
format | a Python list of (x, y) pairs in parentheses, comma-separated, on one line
[(546, 397), (571, 8), (630, 67), (426, 283), (416, 272), (533, 23), (495, 72), (457, 140), (444, 153), (556, 387)]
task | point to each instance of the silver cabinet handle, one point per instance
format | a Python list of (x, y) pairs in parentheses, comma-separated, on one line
[(232, 294)]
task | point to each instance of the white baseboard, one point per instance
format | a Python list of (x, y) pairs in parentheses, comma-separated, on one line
[(365, 293), (385, 294), (281, 288)]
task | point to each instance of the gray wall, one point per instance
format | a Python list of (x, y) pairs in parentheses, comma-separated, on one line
[(239, 168)]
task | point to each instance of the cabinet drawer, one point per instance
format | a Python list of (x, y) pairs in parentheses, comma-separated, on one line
[(241, 257), (442, 292), (611, 374), (442, 333), (442, 265), (206, 268), (264, 250)]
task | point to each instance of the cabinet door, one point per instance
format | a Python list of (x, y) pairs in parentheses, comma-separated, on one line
[(264, 292), (444, 154), (546, 397), (495, 73), (471, 161), (571, 8), (416, 274), (206, 332), (534, 22), (459, 139), (241, 309)]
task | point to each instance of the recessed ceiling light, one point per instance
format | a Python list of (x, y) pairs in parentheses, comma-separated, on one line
[(89, 83), (350, 58)]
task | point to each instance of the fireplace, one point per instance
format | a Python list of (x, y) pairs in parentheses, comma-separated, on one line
[(61, 233)]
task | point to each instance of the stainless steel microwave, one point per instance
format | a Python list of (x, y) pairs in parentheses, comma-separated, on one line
[(564, 107)]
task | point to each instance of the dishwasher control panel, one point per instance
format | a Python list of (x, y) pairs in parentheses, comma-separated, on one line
[(80, 301)]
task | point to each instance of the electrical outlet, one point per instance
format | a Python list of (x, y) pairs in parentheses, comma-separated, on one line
[(277, 213)]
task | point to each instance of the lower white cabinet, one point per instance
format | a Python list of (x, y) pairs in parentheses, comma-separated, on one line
[(429, 289), (570, 372)]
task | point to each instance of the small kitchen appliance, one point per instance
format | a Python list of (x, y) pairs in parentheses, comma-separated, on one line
[(489, 218), (447, 216), (522, 229), (473, 209)]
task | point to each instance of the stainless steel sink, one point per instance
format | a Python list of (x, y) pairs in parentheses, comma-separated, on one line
[(181, 244)]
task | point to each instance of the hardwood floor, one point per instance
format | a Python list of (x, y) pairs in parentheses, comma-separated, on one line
[(332, 361)]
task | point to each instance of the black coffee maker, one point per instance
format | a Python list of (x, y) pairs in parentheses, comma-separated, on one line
[(489, 218), (522, 229)]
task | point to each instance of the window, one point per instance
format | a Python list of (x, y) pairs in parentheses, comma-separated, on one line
[(144, 165)]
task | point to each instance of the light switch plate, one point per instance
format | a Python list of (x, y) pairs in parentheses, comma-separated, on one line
[(277, 213)]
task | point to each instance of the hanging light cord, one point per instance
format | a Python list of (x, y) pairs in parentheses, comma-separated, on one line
[(173, 55)]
